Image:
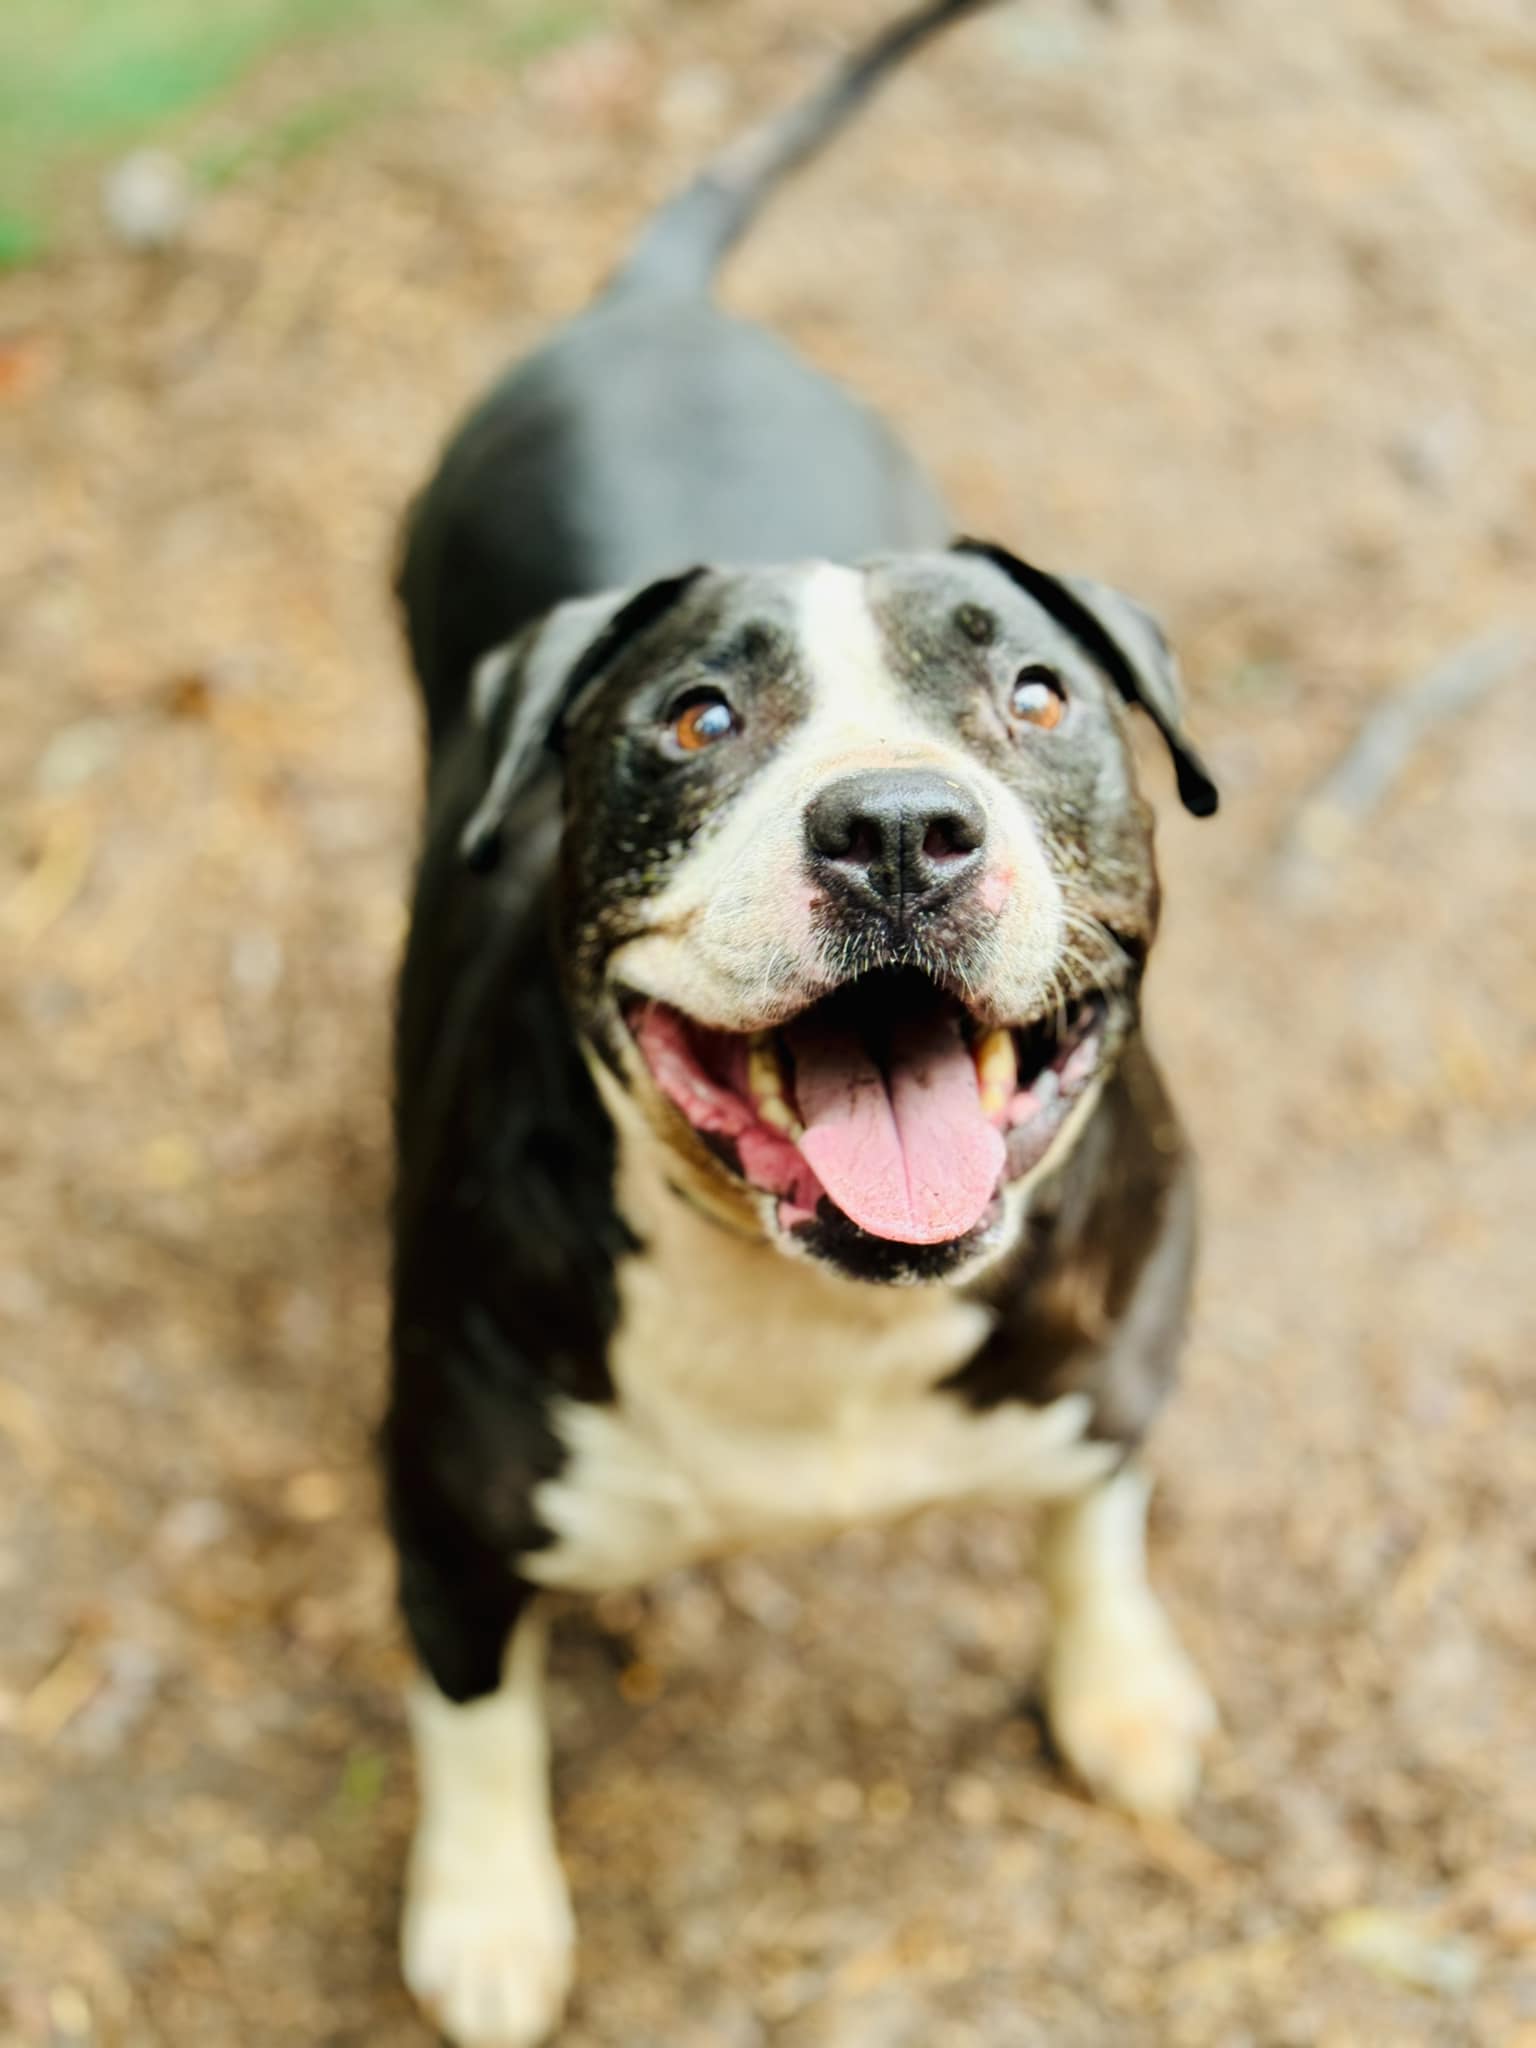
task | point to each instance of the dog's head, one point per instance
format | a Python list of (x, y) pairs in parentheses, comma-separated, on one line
[(856, 884)]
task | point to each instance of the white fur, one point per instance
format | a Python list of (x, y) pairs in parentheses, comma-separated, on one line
[(760, 1399), (1125, 1703), (488, 679), (731, 941), (488, 1939)]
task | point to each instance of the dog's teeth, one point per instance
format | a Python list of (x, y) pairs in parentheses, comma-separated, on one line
[(997, 1070), (778, 1116), (765, 1077), (765, 1081)]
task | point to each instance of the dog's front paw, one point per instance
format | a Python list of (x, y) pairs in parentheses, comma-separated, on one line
[(1128, 1710), (488, 1952)]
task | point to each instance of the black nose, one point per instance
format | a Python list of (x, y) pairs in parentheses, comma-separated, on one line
[(901, 837)]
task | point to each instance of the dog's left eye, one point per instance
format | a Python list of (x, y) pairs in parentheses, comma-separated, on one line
[(1039, 696), (701, 720)]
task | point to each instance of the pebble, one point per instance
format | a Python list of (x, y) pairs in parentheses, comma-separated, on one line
[(147, 199)]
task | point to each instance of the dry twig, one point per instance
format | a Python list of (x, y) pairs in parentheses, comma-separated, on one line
[(1365, 774)]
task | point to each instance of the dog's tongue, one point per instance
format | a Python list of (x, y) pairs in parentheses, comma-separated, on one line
[(908, 1153)]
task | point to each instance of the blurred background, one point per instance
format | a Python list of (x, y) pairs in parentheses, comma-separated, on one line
[(1230, 303)]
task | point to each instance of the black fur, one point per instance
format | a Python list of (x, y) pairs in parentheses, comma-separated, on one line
[(1078, 783), (651, 433), (1094, 1300), (481, 843), (505, 1226), (506, 1236), (1196, 789)]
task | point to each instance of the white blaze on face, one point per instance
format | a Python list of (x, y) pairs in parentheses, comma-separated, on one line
[(733, 943)]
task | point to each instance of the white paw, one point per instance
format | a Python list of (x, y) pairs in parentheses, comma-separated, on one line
[(1129, 1710), (488, 1951)]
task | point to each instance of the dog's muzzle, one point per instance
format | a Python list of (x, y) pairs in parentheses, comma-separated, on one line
[(899, 841)]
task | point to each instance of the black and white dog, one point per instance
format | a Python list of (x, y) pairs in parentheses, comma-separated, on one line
[(778, 1147)]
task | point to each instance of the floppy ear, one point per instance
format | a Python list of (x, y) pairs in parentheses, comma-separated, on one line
[(525, 693), (1128, 644)]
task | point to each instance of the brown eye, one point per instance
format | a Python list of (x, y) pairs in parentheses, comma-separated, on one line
[(1038, 697), (701, 721)]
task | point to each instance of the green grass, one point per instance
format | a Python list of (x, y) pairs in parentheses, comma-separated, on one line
[(81, 80)]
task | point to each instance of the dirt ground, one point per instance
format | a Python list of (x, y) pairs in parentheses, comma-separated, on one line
[(1232, 303)]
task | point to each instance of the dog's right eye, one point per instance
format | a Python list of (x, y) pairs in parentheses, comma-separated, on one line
[(701, 719)]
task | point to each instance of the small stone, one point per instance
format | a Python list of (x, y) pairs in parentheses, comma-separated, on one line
[(191, 1526), (146, 198), (973, 1802)]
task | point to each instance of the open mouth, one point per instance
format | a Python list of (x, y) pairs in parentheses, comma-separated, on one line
[(886, 1100)]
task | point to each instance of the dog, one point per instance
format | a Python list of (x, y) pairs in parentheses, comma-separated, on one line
[(778, 1146)]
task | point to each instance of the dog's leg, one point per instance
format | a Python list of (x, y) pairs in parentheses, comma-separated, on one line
[(1126, 1706), (488, 1935)]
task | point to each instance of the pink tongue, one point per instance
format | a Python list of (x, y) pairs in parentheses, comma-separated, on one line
[(915, 1161)]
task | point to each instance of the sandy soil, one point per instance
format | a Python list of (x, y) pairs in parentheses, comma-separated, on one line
[(1235, 304)]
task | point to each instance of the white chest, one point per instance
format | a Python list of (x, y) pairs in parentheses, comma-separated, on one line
[(759, 1400)]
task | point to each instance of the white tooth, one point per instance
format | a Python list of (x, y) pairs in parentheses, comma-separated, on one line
[(764, 1075), (997, 1069), (776, 1113), (765, 1083)]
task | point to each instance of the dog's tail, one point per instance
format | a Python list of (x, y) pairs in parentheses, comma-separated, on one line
[(683, 247)]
